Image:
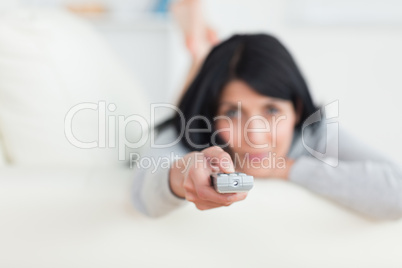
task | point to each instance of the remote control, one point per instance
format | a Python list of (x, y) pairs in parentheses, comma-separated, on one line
[(232, 182)]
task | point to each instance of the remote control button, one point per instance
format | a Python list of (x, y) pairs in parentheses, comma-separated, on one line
[(223, 174)]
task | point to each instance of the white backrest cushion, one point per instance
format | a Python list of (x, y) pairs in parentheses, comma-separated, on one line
[(3, 161), (51, 61)]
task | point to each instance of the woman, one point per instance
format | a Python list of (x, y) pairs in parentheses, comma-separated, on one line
[(244, 111)]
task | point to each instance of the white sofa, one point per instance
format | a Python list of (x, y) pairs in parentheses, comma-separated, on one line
[(84, 218), (61, 206)]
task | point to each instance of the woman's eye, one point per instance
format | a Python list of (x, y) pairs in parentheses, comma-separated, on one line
[(272, 110), (231, 113)]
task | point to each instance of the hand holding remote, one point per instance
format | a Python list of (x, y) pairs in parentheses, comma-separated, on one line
[(232, 182), (190, 178)]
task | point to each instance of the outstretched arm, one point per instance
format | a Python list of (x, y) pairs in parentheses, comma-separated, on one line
[(160, 188)]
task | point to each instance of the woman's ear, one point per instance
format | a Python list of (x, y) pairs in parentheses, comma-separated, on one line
[(298, 110)]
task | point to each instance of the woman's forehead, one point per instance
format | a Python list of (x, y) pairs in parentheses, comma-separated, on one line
[(238, 90)]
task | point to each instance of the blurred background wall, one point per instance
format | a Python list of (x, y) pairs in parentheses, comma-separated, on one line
[(348, 50)]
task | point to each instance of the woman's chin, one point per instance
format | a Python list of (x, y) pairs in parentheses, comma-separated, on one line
[(256, 172)]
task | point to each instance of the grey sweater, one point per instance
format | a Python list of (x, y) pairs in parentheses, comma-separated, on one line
[(328, 161)]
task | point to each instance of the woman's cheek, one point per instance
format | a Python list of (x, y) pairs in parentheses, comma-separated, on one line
[(282, 137), (225, 136), (225, 132), (231, 136)]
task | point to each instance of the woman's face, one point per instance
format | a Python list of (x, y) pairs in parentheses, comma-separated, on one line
[(258, 129)]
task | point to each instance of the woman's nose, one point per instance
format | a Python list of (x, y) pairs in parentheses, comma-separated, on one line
[(256, 132)]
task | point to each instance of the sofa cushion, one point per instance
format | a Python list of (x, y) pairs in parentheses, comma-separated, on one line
[(83, 218), (51, 61)]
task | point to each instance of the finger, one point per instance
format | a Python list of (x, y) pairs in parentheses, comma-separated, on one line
[(207, 205), (199, 173), (189, 189), (201, 185), (217, 156), (239, 196), (208, 193), (192, 197), (203, 205)]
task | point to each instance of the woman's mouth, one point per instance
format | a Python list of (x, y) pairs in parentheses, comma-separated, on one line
[(257, 156)]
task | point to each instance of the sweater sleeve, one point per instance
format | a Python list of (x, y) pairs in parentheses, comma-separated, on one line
[(151, 191), (362, 179)]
